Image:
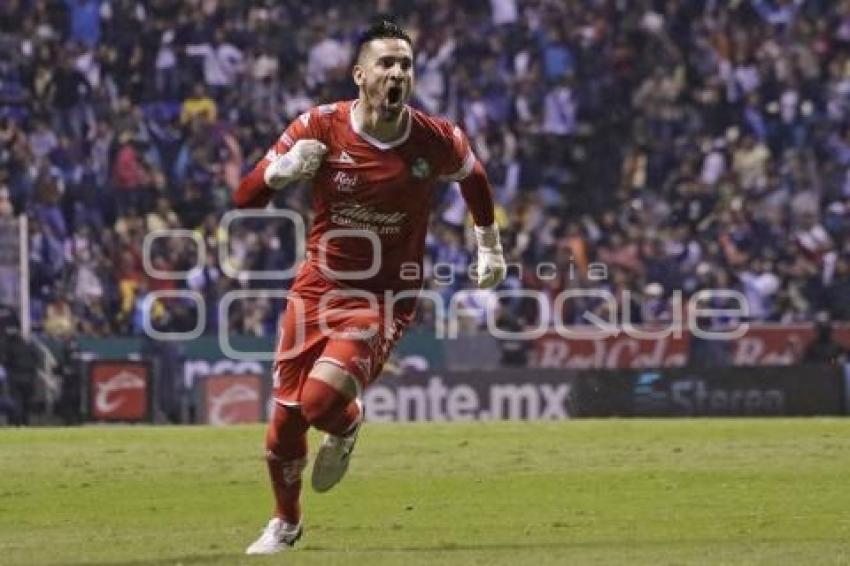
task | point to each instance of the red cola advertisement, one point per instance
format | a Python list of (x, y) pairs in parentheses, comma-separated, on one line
[(761, 345), (232, 399), (119, 390)]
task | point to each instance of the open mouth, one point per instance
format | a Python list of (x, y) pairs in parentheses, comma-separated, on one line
[(394, 95)]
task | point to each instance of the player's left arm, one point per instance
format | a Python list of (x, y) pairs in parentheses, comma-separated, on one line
[(478, 195)]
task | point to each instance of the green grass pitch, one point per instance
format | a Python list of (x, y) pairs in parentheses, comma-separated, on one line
[(582, 492)]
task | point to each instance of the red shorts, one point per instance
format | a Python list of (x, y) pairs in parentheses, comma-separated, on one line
[(325, 323)]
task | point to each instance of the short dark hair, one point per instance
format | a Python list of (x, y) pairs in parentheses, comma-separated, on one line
[(382, 28)]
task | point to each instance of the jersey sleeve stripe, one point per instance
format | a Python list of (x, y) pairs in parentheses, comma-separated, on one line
[(464, 171)]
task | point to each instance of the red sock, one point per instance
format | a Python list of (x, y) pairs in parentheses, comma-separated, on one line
[(286, 456), (327, 409)]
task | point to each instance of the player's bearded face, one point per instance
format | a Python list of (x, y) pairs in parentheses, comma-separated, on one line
[(386, 76)]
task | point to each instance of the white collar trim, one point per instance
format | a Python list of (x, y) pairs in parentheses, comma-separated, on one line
[(376, 142)]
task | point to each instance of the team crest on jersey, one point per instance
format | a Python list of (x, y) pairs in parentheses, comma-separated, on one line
[(420, 168)]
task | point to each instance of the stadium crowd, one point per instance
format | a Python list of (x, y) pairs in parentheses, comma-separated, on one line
[(684, 145)]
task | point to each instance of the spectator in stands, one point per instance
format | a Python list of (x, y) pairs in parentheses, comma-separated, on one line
[(674, 141), (7, 405), (130, 175), (199, 105), (222, 62), (328, 57), (70, 366), (760, 286), (22, 360), (514, 348), (59, 320), (68, 94), (824, 349)]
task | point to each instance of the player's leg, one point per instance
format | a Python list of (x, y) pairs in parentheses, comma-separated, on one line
[(329, 394), (286, 440), (330, 404), (328, 400), (351, 358), (286, 458)]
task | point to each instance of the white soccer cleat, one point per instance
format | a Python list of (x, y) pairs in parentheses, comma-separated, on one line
[(333, 457), (278, 535)]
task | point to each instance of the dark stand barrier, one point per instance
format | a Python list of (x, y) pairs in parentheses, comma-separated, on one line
[(122, 391), (558, 394), (731, 391)]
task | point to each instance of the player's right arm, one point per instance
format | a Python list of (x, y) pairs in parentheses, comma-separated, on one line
[(295, 156)]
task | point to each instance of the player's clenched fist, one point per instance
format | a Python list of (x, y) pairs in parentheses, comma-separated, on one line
[(491, 265), (300, 162)]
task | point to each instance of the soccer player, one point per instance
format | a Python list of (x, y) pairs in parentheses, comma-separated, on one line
[(374, 163)]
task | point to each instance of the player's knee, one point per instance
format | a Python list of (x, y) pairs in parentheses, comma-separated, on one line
[(314, 408), (321, 402)]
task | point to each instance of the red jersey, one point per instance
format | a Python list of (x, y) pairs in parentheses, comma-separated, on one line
[(374, 189)]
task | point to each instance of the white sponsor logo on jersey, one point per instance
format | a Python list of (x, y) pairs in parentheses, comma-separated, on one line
[(357, 211), (355, 215), (345, 183)]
